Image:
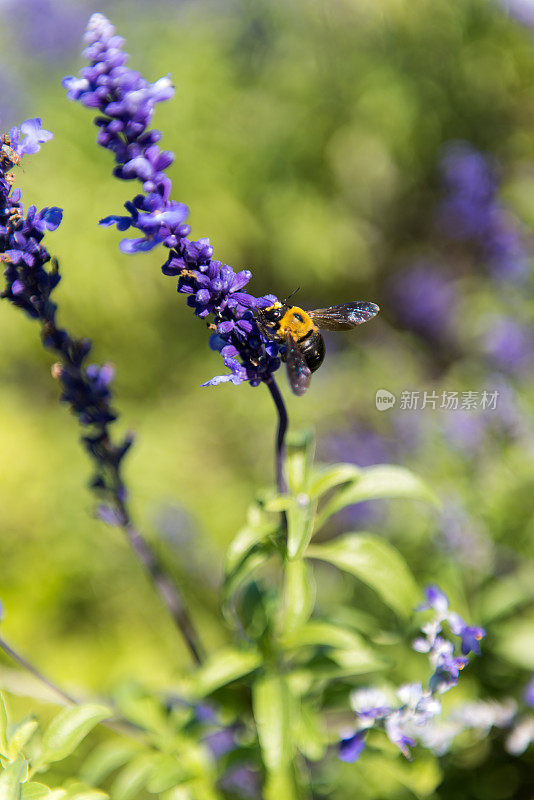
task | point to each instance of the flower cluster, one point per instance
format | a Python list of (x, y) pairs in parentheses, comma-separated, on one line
[(125, 102), (470, 211), (409, 714), (31, 276)]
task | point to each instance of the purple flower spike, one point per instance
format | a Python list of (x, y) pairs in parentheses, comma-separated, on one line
[(30, 279), (125, 104), (351, 747), (414, 718)]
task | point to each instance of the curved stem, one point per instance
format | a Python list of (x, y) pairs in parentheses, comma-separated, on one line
[(35, 672), (280, 437), (165, 586)]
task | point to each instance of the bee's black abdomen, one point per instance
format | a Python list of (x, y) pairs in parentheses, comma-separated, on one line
[(313, 349)]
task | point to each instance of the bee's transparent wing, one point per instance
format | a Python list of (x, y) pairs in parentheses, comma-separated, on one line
[(345, 316), (298, 372)]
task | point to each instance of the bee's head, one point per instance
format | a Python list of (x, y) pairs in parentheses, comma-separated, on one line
[(274, 313)]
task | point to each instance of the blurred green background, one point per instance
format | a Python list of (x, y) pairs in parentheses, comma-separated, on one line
[(309, 140)]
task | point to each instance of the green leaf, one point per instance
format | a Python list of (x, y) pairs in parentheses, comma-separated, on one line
[(503, 596), (11, 779), (300, 518), (4, 721), (376, 563), (299, 595), (67, 730), (21, 736), (225, 666), (383, 481), (79, 791), (245, 540), (300, 449), (317, 633), (133, 778), (106, 758), (35, 791), (514, 642), (310, 733), (328, 478), (279, 502), (168, 771), (179, 793), (271, 701)]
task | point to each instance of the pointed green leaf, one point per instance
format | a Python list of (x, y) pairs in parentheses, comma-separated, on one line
[(272, 702), (79, 791), (310, 733), (300, 517), (168, 771), (35, 791), (133, 778), (300, 449), (376, 563), (225, 666), (67, 730), (317, 633), (21, 736), (328, 478), (299, 595), (279, 502), (11, 779), (247, 538), (382, 481), (105, 759)]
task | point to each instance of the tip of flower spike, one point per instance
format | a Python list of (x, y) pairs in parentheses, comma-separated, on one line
[(98, 27), (28, 139)]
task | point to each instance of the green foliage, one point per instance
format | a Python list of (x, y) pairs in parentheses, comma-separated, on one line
[(27, 750)]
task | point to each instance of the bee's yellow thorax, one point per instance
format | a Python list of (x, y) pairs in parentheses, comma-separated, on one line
[(297, 322)]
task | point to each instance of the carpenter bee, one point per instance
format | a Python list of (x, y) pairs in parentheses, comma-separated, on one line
[(299, 331)]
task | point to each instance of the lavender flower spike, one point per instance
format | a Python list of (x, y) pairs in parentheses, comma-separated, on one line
[(411, 715), (125, 103), (31, 277)]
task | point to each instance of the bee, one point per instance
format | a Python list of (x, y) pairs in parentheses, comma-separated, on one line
[(298, 331)]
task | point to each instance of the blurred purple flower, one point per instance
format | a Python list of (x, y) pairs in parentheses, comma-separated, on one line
[(509, 345), (435, 600), (522, 10), (243, 782), (529, 693), (45, 29), (470, 211), (423, 298), (464, 430), (351, 747), (412, 716), (463, 537)]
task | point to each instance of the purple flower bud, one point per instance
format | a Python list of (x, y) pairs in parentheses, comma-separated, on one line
[(351, 747)]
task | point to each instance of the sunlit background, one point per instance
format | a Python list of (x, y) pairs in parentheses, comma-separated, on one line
[(360, 149)]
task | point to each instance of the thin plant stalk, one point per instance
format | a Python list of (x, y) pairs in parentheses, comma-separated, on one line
[(280, 434), (8, 650)]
